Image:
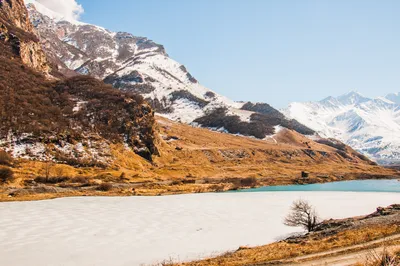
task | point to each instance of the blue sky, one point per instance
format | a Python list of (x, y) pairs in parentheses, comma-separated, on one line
[(271, 51)]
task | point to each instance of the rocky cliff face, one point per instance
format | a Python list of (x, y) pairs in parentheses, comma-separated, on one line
[(16, 28), (33, 56), (16, 13)]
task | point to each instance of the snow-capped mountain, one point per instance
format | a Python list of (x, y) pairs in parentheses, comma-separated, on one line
[(394, 97), (139, 65), (127, 62), (371, 126)]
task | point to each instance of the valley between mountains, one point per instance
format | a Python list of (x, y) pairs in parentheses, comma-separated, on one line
[(86, 111)]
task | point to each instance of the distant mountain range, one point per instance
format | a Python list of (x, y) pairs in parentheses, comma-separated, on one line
[(371, 126), (139, 65)]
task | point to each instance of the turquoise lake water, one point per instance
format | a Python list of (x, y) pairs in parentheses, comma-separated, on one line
[(349, 186)]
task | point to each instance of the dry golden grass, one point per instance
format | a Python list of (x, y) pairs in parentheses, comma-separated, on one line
[(385, 257), (283, 250), (188, 153), (210, 154)]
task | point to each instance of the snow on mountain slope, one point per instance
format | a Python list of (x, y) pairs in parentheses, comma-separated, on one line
[(371, 126), (139, 65), (394, 97), (128, 62)]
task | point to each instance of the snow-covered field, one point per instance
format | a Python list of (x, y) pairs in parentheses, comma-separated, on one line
[(147, 230)]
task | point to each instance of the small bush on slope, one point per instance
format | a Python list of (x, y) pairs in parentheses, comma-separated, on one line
[(6, 174), (105, 187), (5, 158)]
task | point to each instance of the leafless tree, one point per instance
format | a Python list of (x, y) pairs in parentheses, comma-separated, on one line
[(302, 214), (59, 171), (47, 169)]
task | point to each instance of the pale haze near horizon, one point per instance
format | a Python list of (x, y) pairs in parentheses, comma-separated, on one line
[(267, 51)]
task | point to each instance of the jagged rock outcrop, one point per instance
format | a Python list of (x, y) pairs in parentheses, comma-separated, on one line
[(16, 13), (33, 56), (16, 27)]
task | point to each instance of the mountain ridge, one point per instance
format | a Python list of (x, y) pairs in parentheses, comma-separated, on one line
[(139, 65), (370, 125)]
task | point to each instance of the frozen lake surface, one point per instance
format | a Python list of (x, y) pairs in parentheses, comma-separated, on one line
[(147, 230)]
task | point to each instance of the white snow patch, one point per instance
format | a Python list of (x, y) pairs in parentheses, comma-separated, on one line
[(79, 106)]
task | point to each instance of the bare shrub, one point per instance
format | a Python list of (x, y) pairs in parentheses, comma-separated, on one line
[(105, 187), (5, 158), (6, 174), (51, 180), (217, 187), (249, 182), (80, 179), (47, 168), (123, 176), (59, 171), (383, 258), (303, 215), (189, 181), (176, 182)]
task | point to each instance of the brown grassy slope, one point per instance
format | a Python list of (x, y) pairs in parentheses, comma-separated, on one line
[(198, 152)]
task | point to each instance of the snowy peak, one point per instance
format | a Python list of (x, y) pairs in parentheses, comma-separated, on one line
[(371, 126), (349, 99), (330, 102), (352, 98)]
